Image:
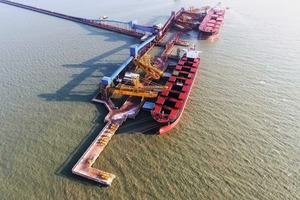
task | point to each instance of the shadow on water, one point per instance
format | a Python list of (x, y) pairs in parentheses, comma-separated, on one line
[(143, 123), (96, 64), (67, 93)]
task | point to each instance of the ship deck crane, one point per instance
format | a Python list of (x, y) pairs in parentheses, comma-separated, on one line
[(151, 71)]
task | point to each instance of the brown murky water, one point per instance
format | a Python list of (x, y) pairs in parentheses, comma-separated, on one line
[(239, 137)]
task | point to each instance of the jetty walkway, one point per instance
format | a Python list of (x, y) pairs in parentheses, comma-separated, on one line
[(114, 119)]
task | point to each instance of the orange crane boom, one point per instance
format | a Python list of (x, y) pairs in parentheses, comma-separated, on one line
[(144, 63), (138, 89)]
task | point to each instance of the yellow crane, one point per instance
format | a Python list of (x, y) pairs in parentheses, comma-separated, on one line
[(138, 89), (144, 63)]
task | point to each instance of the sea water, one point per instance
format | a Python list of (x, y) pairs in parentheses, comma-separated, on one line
[(239, 137)]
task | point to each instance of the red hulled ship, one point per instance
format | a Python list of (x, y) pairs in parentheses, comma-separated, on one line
[(170, 104), (212, 22)]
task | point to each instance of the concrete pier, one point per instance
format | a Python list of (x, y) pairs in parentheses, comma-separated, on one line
[(114, 119), (84, 166)]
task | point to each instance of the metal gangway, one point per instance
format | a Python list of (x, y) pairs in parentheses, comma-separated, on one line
[(84, 166)]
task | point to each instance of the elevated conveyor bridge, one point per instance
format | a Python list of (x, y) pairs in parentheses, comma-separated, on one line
[(128, 28)]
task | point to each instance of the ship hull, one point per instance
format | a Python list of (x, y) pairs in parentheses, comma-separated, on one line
[(169, 122), (170, 126), (207, 36)]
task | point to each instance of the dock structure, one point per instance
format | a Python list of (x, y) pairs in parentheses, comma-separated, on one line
[(114, 119), (131, 107)]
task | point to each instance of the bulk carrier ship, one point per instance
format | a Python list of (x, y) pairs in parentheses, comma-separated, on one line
[(212, 23), (170, 104)]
